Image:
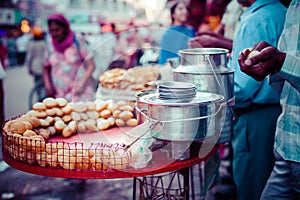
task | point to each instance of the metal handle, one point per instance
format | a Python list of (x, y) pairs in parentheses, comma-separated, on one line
[(182, 120), (151, 127), (213, 66), (230, 103)]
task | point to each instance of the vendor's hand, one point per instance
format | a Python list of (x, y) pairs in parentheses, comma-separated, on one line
[(204, 40), (209, 33), (268, 61), (194, 43)]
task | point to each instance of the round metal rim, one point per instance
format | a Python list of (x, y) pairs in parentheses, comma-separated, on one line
[(153, 99), (176, 91), (204, 51), (175, 85)]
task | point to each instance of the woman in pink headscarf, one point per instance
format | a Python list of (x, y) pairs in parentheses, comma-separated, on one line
[(68, 68)]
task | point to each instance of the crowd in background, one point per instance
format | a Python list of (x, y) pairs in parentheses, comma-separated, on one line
[(210, 13), (117, 45)]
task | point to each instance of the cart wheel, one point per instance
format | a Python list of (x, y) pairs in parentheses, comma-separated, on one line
[(37, 93)]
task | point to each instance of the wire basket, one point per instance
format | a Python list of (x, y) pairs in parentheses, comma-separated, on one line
[(70, 156)]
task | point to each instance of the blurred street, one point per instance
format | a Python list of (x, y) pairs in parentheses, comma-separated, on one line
[(17, 85), (15, 184)]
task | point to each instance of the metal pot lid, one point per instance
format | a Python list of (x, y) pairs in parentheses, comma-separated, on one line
[(173, 95), (177, 91), (204, 51), (200, 98), (203, 70), (161, 96), (175, 85), (144, 92)]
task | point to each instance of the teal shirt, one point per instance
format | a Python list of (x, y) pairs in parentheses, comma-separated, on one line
[(262, 21), (174, 39)]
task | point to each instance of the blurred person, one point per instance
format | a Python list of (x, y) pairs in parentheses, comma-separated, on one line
[(256, 103), (135, 42), (230, 20), (96, 44), (35, 59), (177, 35), (210, 39), (224, 34), (120, 52), (156, 34), (21, 47), (134, 38), (282, 67), (203, 26), (68, 68), (222, 37), (11, 46), (127, 49), (3, 55), (214, 12)]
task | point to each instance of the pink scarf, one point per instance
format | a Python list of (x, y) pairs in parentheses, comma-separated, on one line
[(69, 39)]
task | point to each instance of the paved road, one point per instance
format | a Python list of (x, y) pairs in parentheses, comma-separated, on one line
[(17, 86)]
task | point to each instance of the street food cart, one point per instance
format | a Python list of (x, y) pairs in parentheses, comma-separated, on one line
[(165, 133)]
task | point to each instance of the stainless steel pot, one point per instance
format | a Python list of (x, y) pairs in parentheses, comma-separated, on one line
[(142, 106), (207, 69), (183, 120)]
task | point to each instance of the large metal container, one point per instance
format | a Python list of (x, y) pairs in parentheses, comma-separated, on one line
[(207, 69), (142, 106), (183, 119)]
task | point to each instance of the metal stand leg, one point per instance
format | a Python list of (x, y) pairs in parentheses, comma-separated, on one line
[(192, 182), (134, 189), (202, 178), (186, 182)]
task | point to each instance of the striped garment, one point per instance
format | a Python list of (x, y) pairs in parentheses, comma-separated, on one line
[(287, 137)]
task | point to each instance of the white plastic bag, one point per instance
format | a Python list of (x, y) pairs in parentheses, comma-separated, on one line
[(140, 139)]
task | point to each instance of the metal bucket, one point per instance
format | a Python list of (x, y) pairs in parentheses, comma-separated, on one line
[(207, 69), (183, 119), (142, 106)]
